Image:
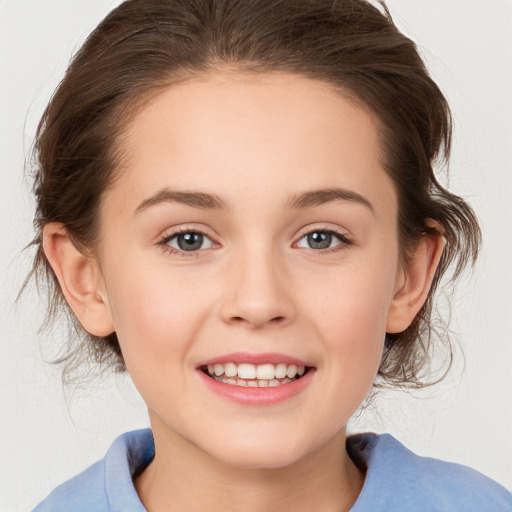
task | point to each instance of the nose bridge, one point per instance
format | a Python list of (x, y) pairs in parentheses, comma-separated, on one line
[(258, 293)]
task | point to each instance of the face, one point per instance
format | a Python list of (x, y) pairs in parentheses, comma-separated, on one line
[(251, 234)]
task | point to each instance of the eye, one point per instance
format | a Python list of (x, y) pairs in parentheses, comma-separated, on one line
[(188, 241), (323, 239)]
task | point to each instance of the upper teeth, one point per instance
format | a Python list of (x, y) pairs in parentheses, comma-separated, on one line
[(251, 371)]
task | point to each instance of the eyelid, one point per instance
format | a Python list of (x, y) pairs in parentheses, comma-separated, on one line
[(342, 234), (170, 233)]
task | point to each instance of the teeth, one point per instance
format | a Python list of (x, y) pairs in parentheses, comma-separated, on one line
[(253, 383), (265, 371), (230, 370), (263, 375), (291, 372), (281, 371), (246, 371)]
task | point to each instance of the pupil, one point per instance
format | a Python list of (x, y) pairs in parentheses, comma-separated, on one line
[(319, 240), (190, 241)]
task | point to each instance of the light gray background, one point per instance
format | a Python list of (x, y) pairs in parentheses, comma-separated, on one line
[(468, 418)]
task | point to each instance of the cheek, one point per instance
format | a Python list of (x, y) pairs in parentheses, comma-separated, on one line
[(355, 340), (354, 302), (350, 316), (156, 324), (154, 317)]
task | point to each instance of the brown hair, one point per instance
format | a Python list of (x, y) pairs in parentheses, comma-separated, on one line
[(145, 45)]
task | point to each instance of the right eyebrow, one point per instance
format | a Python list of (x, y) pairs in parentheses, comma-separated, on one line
[(194, 199), (313, 198)]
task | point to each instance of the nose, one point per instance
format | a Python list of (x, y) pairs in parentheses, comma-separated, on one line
[(258, 293)]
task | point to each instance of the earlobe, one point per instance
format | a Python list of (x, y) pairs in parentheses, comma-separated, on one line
[(80, 280), (414, 281)]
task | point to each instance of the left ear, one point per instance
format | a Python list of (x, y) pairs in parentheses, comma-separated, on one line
[(414, 280)]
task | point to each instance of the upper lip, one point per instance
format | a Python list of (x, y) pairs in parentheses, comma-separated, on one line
[(256, 359)]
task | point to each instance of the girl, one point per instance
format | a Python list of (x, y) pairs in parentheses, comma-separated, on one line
[(236, 201)]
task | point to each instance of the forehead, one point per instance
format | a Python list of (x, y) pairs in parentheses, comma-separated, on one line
[(262, 134)]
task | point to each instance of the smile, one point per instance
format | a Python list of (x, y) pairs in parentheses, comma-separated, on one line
[(255, 376)]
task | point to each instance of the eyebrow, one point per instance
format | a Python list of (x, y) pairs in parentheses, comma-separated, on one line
[(313, 198), (194, 199), (308, 199)]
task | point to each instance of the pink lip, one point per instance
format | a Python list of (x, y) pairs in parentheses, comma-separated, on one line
[(245, 357), (257, 396)]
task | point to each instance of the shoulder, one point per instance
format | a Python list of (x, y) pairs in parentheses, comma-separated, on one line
[(397, 479), (107, 485), (83, 492)]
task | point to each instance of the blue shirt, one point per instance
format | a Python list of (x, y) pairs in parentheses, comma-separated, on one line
[(397, 480)]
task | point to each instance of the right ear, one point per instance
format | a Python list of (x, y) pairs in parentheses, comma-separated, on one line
[(80, 280)]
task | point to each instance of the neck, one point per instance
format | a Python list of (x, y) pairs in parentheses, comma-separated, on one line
[(183, 477)]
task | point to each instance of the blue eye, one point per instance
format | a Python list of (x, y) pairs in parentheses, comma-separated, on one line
[(188, 241), (322, 240)]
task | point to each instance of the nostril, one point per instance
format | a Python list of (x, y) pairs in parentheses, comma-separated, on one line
[(238, 320)]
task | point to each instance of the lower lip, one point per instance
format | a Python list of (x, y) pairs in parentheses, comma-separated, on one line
[(258, 396)]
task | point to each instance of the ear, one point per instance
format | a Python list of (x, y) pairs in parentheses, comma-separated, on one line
[(80, 280), (414, 280)]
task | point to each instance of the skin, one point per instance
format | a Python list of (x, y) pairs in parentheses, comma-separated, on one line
[(255, 142)]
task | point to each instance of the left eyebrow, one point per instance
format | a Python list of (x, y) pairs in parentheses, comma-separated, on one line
[(313, 198), (194, 199)]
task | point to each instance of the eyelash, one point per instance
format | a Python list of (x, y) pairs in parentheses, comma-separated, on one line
[(344, 238), (164, 242)]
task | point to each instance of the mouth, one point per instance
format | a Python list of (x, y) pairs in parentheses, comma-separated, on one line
[(266, 375)]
